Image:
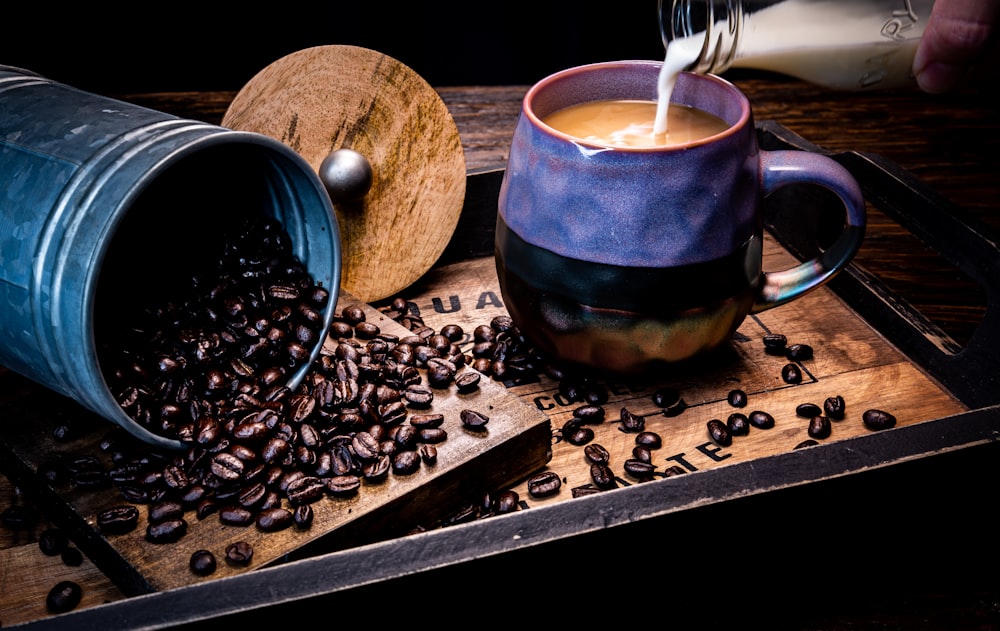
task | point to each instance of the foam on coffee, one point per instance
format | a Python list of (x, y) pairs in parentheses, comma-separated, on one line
[(630, 123)]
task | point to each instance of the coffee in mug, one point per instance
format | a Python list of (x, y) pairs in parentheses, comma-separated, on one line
[(631, 123), (622, 258)]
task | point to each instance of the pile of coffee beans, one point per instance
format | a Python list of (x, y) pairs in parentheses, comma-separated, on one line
[(211, 369)]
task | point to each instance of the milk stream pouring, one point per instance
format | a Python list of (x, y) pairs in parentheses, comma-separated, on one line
[(839, 44)]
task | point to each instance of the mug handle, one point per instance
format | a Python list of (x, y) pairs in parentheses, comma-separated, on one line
[(781, 167)]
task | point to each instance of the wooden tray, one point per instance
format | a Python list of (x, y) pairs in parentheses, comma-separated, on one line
[(695, 537)]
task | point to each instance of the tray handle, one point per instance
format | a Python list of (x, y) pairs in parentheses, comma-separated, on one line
[(972, 372)]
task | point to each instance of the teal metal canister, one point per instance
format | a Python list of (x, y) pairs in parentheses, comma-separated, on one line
[(80, 172)]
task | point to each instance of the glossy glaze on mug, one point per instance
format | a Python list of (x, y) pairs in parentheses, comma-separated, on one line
[(627, 257)]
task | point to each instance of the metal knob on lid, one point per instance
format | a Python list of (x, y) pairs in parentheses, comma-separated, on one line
[(346, 174)]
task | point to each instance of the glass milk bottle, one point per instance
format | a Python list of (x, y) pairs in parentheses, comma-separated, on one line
[(840, 44)]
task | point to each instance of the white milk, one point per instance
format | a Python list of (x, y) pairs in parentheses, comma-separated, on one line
[(681, 53)]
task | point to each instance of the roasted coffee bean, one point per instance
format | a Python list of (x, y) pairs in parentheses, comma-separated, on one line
[(174, 478), (580, 436), (638, 468), (602, 476), (168, 531), (227, 467), (472, 419), (809, 442), (819, 427), (453, 332), (799, 352), (192, 495), (406, 462), (737, 398), (591, 414), (774, 344), (596, 454), (239, 553), (674, 470), (571, 426), (440, 372), (406, 436), (305, 490), (544, 484), (207, 431), (835, 408), (366, 446), (367, 330), (585, 490), (343, 485), (418, 396), (206, 507), (875, 419), (643, 453), (309, 436), (468, 381), (738, 424), (118, 520), (84, 464), (506, 502), (274, 519), (377, 470), (252, 496), (427, 420), (649, 439), (428, 454), (433, 435), (63, 597), (675, 409), (270, 500), (288, 478), (202, 562), (52, 541), (630, 422), (353, 314), (90, 479), (72, 557), (165, 511), (719, 432), (761, 420), (276, 451), (666, 397), (807, 410), (303, 516), (235, 516), (791, 373)]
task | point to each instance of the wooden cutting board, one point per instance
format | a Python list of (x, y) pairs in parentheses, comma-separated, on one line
[(516, 443)]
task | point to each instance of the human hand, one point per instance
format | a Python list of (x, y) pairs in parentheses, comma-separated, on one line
[(959, 35)]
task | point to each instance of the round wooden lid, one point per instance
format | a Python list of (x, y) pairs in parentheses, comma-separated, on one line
[(328, 98)]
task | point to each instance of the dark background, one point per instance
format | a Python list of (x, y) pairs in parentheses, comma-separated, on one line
[(107, 48)]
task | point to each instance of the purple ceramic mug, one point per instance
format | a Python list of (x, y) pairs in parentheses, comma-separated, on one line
[(622, 258)]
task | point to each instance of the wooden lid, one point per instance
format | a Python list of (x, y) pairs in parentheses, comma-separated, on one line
[(322, 99)]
